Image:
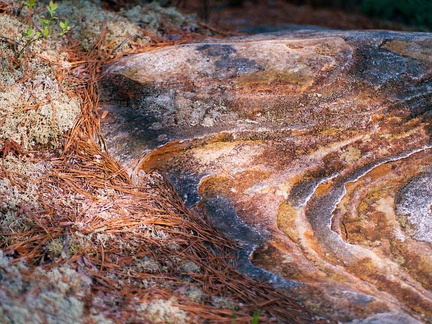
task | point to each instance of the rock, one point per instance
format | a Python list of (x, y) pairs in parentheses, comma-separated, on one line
[(311, 149)]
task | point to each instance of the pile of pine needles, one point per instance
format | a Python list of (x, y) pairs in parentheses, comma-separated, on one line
[(105, 222)]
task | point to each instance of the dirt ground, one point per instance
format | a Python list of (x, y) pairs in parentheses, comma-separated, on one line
[(281, 12)]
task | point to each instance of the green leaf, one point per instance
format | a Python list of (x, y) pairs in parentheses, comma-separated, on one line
[(45, 32), (52, 7), (30, 3), (45, 21), (30, 32), (64, 25)]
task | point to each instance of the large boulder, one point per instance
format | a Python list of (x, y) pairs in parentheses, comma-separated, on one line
[(311, 149)]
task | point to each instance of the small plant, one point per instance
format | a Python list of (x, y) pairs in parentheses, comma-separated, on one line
[(30, 3), (255, 316), (65, 27), (52, 7), (44, 29)]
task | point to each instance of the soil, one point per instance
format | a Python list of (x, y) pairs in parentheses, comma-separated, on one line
[(281, 14)]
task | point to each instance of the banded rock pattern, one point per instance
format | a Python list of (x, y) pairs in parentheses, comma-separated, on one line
[(312, 149)]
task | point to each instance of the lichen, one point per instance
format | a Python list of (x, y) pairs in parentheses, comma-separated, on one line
[(223, 302), (152, 16), (162, 311), (34, 109), (17, 199), (55, 247), (148, 265), (41, 296), (189, 266), (196, 294)]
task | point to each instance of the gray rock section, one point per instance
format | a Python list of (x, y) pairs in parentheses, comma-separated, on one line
[(388, 318), (415, 203), (302, 81)]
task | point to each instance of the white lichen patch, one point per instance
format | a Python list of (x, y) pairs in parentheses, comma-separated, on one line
[(153, 233), (162, 311), (223, 302), (34, 109), (36, 112), (32, 102), (189, 266), (148, 265), (151, 16), (90, 20), (12, 26), (14, 195), (195, 294), (42, 296)]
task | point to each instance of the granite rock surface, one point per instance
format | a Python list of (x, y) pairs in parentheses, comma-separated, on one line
[(311, 149)]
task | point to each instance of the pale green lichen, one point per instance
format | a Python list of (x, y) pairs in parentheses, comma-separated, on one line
[(13, 197), (148, 265), (55, 247), (17, 199), (90, 20), (34, 108), (195, 294), (162, 311), (100, 319), (37, 111), (12, 222), (151, 16), (223, 302), (189, 266), (153, 233), (51, 297)]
